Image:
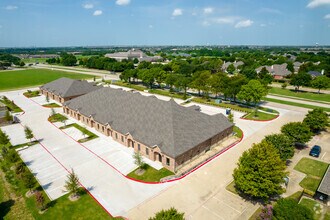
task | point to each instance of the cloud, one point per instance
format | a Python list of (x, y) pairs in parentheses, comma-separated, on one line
[(263, 25), (11, 7), (270, 11), (151, 26), (177, 12), (318, 3), (206, 23), (225, 20), (244, 23), (123, 2), (327, 16), (208, 10), (97, 13), (88, 6)]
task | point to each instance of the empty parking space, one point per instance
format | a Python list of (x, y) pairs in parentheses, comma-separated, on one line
[(15, 133)]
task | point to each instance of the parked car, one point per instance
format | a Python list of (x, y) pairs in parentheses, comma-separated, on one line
[(315, 151)]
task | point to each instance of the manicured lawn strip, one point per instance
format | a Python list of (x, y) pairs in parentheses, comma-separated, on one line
[(296, 196), (268, 110), (310, 183), (295, 104), (132, 86), (11, 105), (24, 144), (84, 208), (34, 60), (151, 174), (89, 134), (57, 118), (311, 167), (313, 206), (261, 116), (168, 93), (303, 95), (30, 94), (238, 131), (231, 188), (256, 214), (34, 77), (223, 105), (51, 105)]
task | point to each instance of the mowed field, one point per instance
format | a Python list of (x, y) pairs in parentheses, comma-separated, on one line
[(32, 77)]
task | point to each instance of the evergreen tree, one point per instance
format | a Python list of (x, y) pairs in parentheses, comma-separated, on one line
[(72, 183)]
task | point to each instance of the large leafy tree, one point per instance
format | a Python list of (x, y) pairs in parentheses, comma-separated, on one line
[(252, 92), (283, 144), (233, 85), (169, 214), (290, 209), (317, 119), (298, 132), (321, 82), (260, 172), (301, 79)]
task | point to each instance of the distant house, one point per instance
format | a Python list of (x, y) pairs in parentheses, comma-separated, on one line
[(132, 54), (65, 89), (227, 64), (296, 66), (323, 191), (278, 71), (315, 73), (162, 131)]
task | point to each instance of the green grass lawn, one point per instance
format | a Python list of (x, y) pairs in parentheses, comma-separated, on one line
[(295, 104), (63, 208), (314, 206), (132, 86), (168, 93), (10, 105), (51, 105), (303, 95), (57, 118), (296, 196), (261, 116), (33, 77), (31, 94), (35, 60), (314, 170), (89, 135), (223, 105), (311, 167), (151, 174), (238, 131)]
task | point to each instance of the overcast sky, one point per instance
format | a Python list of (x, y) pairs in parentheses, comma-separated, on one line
[(25, 23)]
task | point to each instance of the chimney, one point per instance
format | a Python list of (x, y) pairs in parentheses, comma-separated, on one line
[(322, 72), (272, 67)]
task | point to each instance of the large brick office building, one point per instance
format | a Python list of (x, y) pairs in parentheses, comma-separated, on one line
[(160, 130)]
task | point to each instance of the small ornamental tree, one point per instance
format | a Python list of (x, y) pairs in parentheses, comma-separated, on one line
[(260, 172), (266, 213), (52, 112), (231, 117), (8, 116), (290, 209), (40, 200), (169, 214), (283, 144), (317, 120), (72, 183), (28, 180), (4, 139), (298, 132), (138, 160), (28, 133)]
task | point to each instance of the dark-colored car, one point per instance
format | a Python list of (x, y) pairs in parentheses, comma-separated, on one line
[(315, 151)]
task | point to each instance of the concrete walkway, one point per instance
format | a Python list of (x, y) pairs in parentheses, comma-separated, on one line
[(112, 190), (299, 101)]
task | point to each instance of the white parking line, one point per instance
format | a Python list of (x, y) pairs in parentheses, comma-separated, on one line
[(227, 205), (323, 155), (212, 212)]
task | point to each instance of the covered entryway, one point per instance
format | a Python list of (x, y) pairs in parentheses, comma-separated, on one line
[(157, 157)]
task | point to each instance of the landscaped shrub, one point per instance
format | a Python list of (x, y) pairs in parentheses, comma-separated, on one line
[(290, 209)]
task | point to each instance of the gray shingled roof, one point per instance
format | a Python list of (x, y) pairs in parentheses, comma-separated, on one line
[(66, 87), (324, 186), (276, 69), (173, 128)]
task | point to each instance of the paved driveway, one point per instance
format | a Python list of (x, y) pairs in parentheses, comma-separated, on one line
[(115, 192)]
